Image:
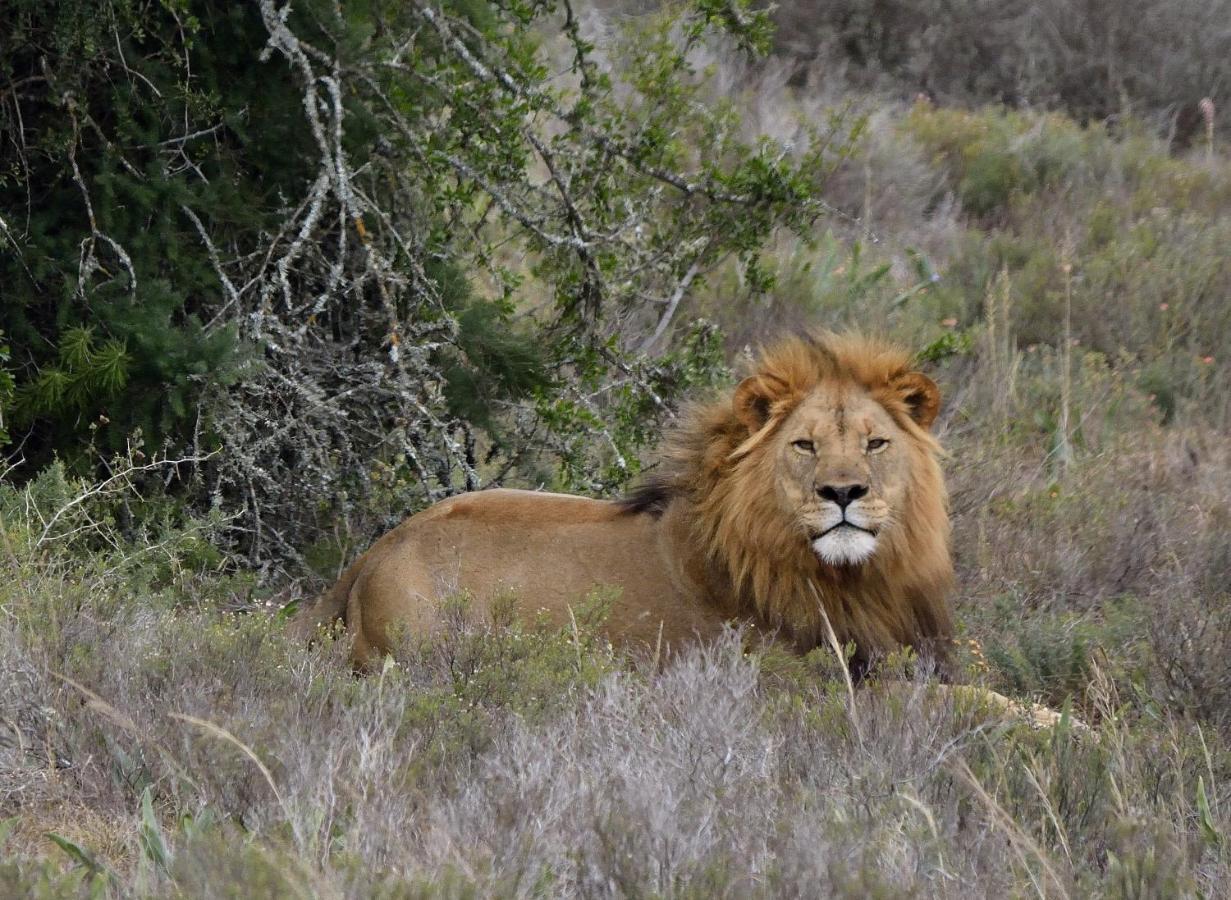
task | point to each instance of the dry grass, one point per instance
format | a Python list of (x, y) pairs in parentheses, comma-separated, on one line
[(516, 762)]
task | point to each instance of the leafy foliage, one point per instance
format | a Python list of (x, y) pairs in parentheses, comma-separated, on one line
[(315, 236)]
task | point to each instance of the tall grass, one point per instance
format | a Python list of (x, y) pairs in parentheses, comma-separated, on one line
[(158, 742)]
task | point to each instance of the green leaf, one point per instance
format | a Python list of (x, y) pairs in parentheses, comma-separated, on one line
[(1209, 830), (149, 833), (287, 612), (111, 368), (47, 392), (951, 343), (80, 855), (192, 827), (76, 347)]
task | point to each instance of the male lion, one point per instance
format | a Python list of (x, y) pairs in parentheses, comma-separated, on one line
[(810, 499)]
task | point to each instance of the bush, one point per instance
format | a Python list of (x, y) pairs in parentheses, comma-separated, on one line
[(315, 238), (1136, 229)]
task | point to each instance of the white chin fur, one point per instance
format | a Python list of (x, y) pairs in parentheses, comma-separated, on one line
[(844, 546)]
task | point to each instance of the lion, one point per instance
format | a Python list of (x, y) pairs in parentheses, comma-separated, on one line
[(813, 494), (809, 505)]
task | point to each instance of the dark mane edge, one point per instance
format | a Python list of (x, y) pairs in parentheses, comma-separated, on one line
[(651, 496)]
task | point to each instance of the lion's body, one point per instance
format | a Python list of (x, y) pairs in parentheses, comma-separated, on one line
[(738, 525), (544, 552)]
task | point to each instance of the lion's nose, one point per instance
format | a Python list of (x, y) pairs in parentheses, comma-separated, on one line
[(842, 494)]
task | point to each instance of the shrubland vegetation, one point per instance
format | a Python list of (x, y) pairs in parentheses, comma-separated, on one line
[(1104, 61), (417, 249)]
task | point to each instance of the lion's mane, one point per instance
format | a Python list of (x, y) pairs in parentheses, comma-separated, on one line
[(726, 476)]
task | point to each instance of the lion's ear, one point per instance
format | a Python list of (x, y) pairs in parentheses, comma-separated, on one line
[(754, 400), (921, 397)]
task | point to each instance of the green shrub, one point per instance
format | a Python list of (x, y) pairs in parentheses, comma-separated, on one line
[(993, 158), (298, 237)]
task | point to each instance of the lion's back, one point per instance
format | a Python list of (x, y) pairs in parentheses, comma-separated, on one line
[(546, 552)]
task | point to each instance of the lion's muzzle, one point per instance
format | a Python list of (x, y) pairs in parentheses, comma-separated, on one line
[(847, 532)]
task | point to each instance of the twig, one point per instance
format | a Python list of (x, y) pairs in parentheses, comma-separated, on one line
[(680, 290), (102, 486)]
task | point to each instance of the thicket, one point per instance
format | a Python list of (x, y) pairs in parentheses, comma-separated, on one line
[(1097, 60), (370, 254)]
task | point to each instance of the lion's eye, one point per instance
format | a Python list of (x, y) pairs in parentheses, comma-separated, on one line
[(875, 444), (803, 446)]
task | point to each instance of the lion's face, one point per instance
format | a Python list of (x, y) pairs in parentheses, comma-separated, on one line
[(844, 469)]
